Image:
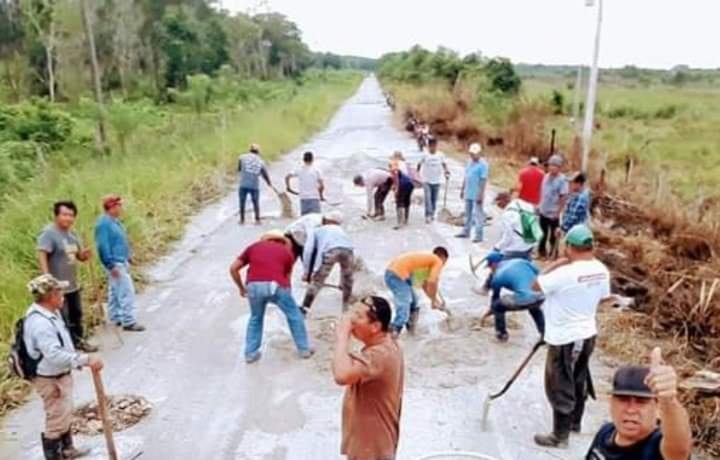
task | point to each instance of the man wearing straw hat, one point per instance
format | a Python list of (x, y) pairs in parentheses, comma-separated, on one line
[(270, 262), (251, 167), (48, 341)]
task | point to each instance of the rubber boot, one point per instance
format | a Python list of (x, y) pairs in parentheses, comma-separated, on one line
[(400, 217), (51, 448), (69, 450), (406, 215), (561, 432)]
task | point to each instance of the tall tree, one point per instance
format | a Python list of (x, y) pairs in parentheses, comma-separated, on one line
[(40, 14)]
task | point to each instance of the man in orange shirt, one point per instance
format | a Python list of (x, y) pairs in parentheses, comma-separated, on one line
[(530, 182), (421, 268)]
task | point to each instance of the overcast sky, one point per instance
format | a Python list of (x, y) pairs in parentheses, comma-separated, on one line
[(647, 33)]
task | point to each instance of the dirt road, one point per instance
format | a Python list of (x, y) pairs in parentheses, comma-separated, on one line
[(210, 405)]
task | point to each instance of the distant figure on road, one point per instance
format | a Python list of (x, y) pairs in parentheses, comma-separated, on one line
[(406, 270), (310, 185), (270, 264), (327, 246), (378, 183), (473, 192), (573, 287), (530, 181), (250, 168), (640, 396), (554, 192), (297, 232), (433, 168), (402, 186), (59, 250), (374, 379), (577, 208), (116, 256), (48, 341)]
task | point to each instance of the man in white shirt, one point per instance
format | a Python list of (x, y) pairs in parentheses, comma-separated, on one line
[(377, 183), (432, 168), (573, 287), (310, 185), (298, 230), (511, 244)]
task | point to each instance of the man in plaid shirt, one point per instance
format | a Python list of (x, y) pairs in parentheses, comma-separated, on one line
[(577, 208)]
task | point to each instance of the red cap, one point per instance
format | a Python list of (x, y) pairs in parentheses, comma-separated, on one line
[(109, 201)]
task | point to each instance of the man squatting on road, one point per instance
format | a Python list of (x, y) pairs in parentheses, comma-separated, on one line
[(378, 183), (299, 229)]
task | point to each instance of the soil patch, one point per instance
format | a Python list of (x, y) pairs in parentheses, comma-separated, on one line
[(124, 411)]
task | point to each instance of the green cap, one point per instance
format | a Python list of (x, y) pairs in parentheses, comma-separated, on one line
[(579, 236), (44, 284)]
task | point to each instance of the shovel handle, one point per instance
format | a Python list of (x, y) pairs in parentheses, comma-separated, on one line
[(102, 410)]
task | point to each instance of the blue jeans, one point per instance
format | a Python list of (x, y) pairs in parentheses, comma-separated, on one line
[(404, 298), (254, 193), (431, 197), (260, 293), (308, 205), (513, 302), (474, 217), (121, 297)]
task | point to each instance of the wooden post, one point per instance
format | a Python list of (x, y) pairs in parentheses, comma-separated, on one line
[(102, 411)]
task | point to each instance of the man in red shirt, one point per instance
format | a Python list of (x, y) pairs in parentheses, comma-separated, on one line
[(270, 263), (530, 182)]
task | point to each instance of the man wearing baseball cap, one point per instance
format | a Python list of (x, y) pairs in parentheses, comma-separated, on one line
[(640, 396), (554, 191), (573, 287), (530, 180), (473, 193), (48, 341)]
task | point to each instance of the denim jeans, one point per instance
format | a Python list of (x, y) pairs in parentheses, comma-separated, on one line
[(308, 205), (404, 298), (474, 217), (121, 297), (260, 293), (512, 302), (254, 193), (431, 197)]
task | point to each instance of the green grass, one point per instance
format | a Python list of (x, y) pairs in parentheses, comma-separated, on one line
[(168, 172)]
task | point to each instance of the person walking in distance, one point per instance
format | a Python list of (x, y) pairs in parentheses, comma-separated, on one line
[(270, 262), (573, 287), (374, 380), (115, 255), (433, 168), (577, 207), (378, 183), (328, 245), (641, 396), (59, 251), (251, 167), (48, 342), (310, 185), (530, 179), (402, 186), (473, 193), (554, 192)]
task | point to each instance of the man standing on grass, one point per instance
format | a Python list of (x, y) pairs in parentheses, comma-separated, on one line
[(48, 341), (406, 270), (374, 379), (577, 208), (640, 396), (270, 264), (59, 250), (473, 192), (554, 192), (573, 287), (328, 245), (433, 169), (530, 182), (251, 167), (378, 183), (310, 185), (115, 255)]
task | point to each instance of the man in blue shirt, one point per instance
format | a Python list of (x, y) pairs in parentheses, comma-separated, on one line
[(473, 192), (516, 275), (115, 255)]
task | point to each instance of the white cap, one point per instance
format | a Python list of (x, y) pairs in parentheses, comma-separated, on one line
[(475, 148), (335, 216), (534, 161)]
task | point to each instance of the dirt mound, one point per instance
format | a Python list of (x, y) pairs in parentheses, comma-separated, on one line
[(124, 411)]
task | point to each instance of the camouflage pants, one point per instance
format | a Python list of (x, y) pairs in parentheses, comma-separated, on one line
[(344, 258)]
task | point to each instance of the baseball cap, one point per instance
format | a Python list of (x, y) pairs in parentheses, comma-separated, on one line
[(111, 200), (254, 147), (335, 216), (534, 161), (43, 284), (475, 148), (493, 257), (630, 381), (380, 308), (579, 236), (556, 160), (503, 196)]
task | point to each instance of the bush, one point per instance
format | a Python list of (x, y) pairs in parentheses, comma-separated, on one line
[(558, 102), (36, 122)]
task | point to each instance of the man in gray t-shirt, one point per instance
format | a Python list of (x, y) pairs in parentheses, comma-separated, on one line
[(250, 168), (552, 199), (59, 250)]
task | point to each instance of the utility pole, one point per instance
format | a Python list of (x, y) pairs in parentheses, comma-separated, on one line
[(96, 76), (592, 89)]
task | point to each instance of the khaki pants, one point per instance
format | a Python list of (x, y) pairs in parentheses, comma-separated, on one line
[(57, 397)]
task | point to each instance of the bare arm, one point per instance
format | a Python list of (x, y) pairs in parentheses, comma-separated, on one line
[(287, 181), (266, 177), (43, 261), (321, 189), (346, 370), (235, 268)]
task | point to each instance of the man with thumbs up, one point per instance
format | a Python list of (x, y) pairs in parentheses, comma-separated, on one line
[(641, 396)]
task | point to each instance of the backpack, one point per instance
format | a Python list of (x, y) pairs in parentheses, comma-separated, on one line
[(530, 224), (21, 364)]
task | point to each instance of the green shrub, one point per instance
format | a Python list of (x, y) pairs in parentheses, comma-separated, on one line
[(36, 121)]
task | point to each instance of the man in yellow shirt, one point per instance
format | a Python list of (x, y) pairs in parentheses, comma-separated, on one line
[(419, 268)]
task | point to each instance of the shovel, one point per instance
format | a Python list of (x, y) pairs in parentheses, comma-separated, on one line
[(102, 410)]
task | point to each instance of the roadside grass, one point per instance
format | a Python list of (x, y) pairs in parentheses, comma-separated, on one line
[(169, 171)]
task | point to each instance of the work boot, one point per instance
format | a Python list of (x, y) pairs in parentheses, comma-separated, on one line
[(86, 347), (400, 217), (502, 337), (134, 327), (51, 448), (69, 450), (561, 432)]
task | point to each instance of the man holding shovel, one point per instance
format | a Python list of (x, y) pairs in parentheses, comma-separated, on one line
[(573, 287), (48, 342), (433, 168), (250, 168)]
